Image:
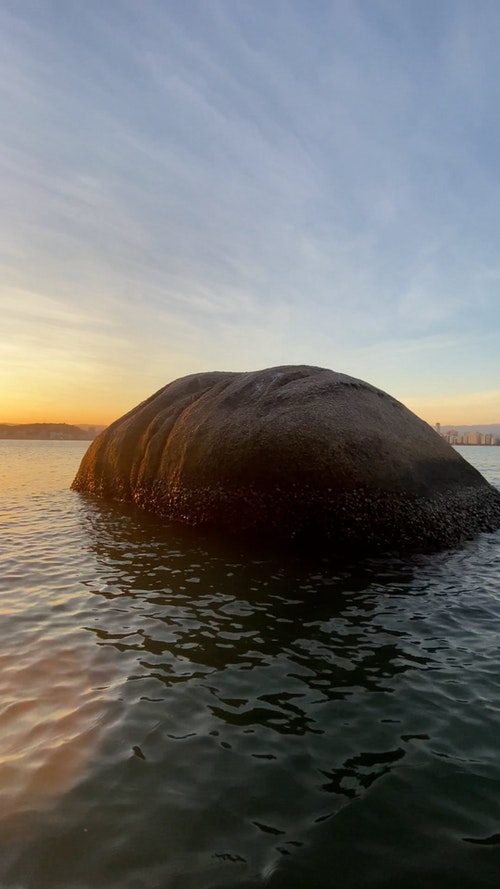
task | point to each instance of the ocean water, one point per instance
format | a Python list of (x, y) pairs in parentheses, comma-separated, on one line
[(175, 714)]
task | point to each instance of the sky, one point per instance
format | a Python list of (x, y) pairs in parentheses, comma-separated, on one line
[(193, 185)]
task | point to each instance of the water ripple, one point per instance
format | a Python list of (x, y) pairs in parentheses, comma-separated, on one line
[(173, 713)]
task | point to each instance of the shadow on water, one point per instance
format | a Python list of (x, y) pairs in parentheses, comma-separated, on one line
[(284, 720), (189, 602), (264, 647)]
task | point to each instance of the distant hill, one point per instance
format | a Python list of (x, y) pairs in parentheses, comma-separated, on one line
[(45, 431), (92, 428)]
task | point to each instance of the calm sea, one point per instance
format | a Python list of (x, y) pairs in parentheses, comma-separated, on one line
[(174, 715)]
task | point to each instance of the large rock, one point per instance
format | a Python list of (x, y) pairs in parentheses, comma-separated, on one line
[(291, 453)]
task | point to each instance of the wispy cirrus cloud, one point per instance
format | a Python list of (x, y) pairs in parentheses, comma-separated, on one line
[(233, 184)]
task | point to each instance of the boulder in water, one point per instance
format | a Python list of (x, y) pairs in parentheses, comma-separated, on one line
[(292, 453)]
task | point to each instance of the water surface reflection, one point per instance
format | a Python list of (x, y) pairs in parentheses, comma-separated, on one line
[(264, 695), (279, 723)]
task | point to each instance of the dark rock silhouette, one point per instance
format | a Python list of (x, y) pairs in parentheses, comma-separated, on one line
[(292, 454)]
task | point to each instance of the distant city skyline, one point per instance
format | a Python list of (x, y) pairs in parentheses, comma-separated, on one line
[(468, 435), (235, 185)]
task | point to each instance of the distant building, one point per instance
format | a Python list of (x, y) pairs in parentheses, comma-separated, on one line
[(474, 438), (452, 437)]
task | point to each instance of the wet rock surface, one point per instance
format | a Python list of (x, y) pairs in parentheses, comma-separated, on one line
[(295, 453)]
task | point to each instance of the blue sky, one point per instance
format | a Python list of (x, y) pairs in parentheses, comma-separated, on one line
[(190, 186)]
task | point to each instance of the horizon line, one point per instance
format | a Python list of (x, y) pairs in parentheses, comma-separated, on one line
[(104, 425)]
